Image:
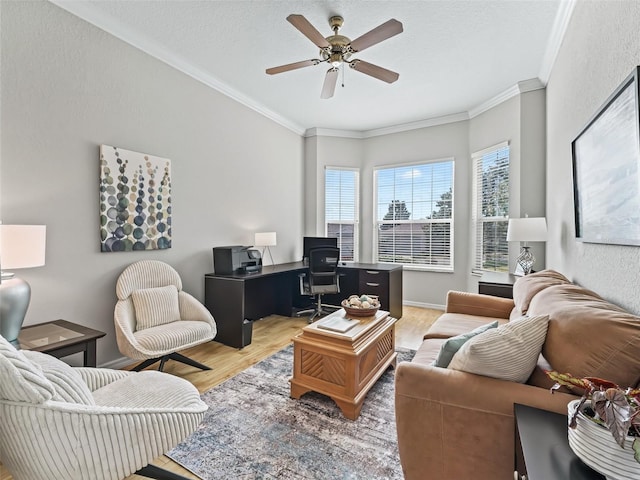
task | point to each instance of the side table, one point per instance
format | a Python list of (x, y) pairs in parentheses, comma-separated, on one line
[(60, 338), (545, 447), (498, 284)]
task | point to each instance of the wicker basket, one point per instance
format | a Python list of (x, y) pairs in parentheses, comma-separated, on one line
[(359, 312)]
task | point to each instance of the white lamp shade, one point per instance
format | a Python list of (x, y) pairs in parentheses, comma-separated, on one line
[(529, 229), (22, 246), (265, 239)]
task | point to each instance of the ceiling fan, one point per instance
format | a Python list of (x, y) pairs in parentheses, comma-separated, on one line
[(337, 49)]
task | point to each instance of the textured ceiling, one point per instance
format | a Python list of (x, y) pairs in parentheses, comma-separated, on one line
[(453, 56)]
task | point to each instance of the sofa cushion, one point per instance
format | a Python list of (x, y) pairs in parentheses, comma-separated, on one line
[(161, 390), (452, 324), (451, 346), (428, 351), (589, 336), (156, 306), (509, 352), (527, 287)]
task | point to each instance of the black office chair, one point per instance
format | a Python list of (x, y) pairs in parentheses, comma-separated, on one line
[(321, 279)]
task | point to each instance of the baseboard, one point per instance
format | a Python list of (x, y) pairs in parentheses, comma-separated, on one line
[(118, 363), (423, 305)]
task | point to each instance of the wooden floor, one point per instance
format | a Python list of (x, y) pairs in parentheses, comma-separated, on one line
[(269, 336)]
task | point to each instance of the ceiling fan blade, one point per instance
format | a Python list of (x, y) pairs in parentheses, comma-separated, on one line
[(377, 35), (330, 80), (291, 66), (374, 71), (308, 30)]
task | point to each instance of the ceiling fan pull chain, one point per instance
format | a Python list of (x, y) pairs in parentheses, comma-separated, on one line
[(343, 69)]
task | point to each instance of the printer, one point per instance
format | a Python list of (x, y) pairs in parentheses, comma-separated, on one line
[(236, 259)]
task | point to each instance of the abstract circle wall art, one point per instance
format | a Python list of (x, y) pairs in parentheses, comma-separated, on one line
[(135, 201)]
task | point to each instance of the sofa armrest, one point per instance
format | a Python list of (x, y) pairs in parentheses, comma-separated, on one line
[(443, 415), (478, 304)]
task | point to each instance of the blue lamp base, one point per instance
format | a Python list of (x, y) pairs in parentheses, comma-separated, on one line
[(15, 295)]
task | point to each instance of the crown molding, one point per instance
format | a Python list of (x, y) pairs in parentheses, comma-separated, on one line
[(330, 132), (105, 22), (558, 31), (530, 85), (521, 87), (430, 122)]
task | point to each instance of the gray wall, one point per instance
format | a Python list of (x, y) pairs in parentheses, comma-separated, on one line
[(600, 49), (68, 87)]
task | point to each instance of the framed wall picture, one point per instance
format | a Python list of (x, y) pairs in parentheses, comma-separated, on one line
[(135, 201), (606, 170)]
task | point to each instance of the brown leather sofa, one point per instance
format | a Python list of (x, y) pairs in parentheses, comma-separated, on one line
[(454, 424)]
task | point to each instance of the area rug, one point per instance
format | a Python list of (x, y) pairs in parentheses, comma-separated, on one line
[(254, 430)]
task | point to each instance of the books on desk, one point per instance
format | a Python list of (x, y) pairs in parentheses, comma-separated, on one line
[(337, 323)]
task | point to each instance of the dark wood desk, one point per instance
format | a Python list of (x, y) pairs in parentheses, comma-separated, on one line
[(547, 455), (61, 338), (236, 300)]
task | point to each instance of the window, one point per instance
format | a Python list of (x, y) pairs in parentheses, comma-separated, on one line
[(341, 187), (491, 208), (414, 215)]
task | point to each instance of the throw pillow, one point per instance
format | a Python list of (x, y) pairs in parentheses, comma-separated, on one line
[(68, 385), (156, 306), (453, 344), (509, 352)]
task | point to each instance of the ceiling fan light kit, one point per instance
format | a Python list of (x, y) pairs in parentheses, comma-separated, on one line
[(337, 49)]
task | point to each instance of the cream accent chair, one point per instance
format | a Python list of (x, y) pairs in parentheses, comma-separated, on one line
[(59, 422), (154, 318)]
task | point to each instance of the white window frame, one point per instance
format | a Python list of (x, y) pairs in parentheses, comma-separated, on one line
[(376, 223), (356, 214), (478, 220)]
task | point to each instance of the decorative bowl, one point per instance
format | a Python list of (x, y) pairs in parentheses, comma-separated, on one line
[(353, 305), (360, 312)]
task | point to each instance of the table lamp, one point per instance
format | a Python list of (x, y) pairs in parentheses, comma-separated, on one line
[(265, 240), (526, 230), (21, 246)]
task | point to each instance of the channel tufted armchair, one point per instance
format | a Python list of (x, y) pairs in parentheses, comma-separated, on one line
[(154, 317), (59, 422)]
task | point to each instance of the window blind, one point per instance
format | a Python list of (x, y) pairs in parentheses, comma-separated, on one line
[(491, 208), (414, 215), (341, 207)]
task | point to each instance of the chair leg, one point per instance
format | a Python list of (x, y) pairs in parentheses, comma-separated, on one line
[(163, 360), (145, 364), (151, 471), (181, 358)]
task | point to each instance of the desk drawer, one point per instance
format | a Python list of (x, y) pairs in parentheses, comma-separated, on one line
[(375, 282)]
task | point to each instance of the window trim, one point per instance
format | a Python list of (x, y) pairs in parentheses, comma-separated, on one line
[(374, 233), (476, 263), (356, 222)]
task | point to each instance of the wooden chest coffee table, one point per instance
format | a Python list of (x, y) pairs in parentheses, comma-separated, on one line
[(343, 366)]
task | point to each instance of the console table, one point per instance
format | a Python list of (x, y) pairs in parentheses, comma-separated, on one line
[(236, 300), (545, 447), (498, 284)]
